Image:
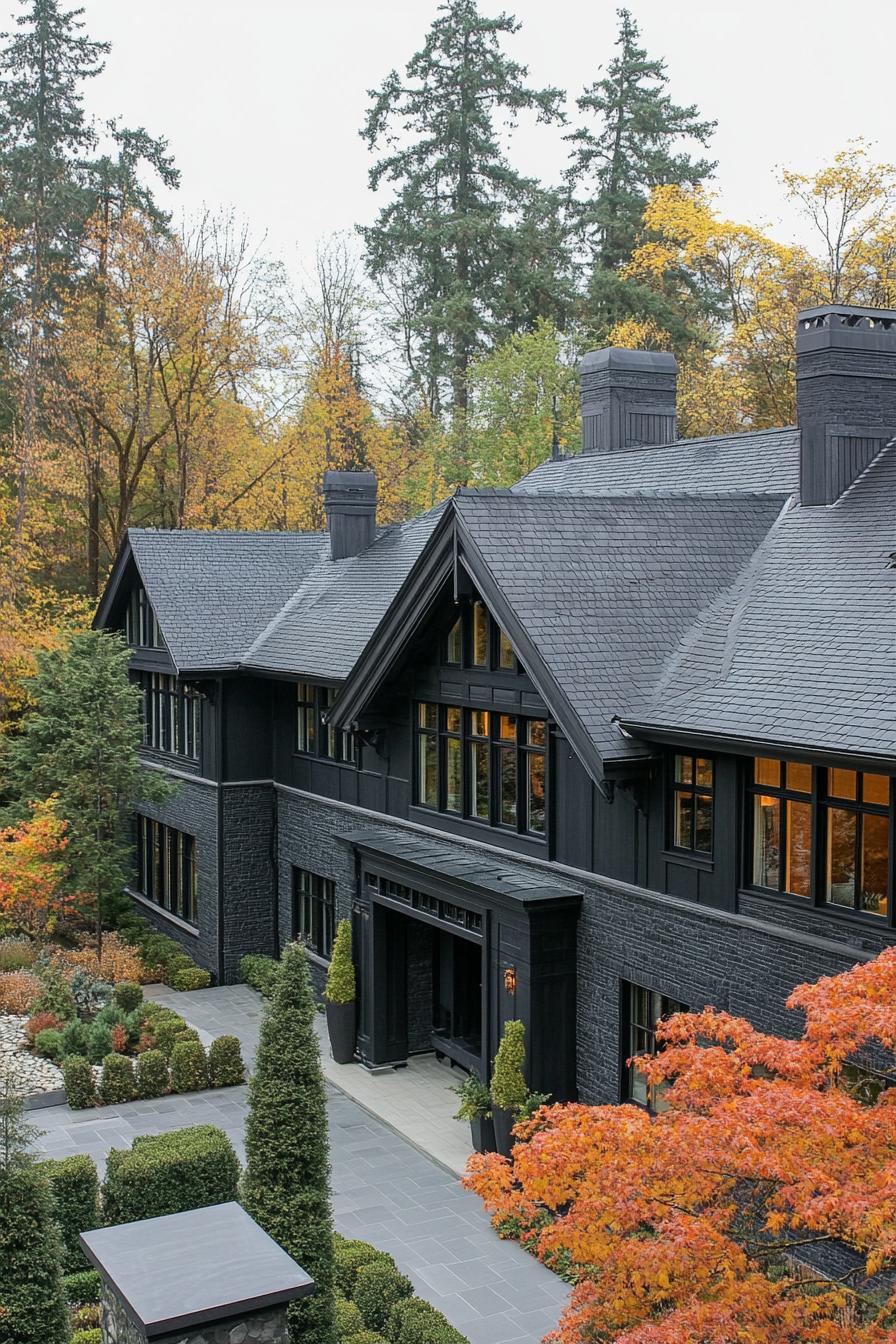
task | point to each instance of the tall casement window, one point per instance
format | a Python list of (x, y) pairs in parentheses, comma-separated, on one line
[(485, 766), (140, 625), (171, 715), (642, 1009), (314, 911), (314, 735), (166, 868), (475, 640), (823, 834), (692, 803)]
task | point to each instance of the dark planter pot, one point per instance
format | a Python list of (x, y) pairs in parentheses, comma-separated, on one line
[(482, 1132), (341, 1026), (503, 1122)]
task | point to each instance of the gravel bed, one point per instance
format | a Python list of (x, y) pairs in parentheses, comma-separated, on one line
[(30, 1072)]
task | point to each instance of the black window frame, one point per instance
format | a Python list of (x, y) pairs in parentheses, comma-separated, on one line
[(167, 868), (141, 625), (783, 794), (629, 1046), (171, 715), (823, 802), (434, 740), (314, 736), (460, 638), (314, 911), (693, 790)]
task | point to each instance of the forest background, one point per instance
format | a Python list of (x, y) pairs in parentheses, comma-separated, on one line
[(167, 372)]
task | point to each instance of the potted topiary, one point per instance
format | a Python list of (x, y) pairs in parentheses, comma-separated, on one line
[(475, 1106), (508, 1090), (340, 996)]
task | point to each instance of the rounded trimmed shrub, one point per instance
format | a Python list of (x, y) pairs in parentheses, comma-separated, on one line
[(377, 1289), (117, 1083), (127, 996), (341, 973), (92, 1336), (75, 1038), (367, 1337), (77, 1078), (260, 972), (99, 1043), (190, 978), (152, 1074), (48, 1044), (170, 1173), (189, 1067), (84, 1286), (414, 1321), (349, 1256), (225, 1062), (348, 1319), (76, 1203)]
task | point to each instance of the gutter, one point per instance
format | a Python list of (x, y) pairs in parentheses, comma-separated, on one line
[(745, 745), (219, 780)]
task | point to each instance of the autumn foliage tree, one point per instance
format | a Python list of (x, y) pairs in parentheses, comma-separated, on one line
[(716, 1219), (33, 870)]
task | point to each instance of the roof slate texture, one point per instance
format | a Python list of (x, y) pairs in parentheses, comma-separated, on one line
[(801, 648), (606, 588), (213, 591)]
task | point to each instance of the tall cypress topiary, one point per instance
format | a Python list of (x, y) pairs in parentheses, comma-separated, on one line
[(33, 1308), (286, 1186)]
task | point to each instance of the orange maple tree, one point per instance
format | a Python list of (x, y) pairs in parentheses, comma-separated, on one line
[(32, 870), (700, 1223)]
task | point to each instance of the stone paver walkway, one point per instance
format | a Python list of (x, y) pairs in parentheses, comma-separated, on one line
[(384, 1188)]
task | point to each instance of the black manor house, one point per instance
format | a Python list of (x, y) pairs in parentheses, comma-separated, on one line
[(617, 739)]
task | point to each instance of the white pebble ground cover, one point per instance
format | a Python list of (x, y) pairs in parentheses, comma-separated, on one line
[(30, 1073)]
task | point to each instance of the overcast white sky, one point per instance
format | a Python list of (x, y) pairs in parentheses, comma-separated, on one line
[(261, 100)]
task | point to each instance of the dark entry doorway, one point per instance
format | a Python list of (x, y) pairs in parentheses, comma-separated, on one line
[(457, 1001)]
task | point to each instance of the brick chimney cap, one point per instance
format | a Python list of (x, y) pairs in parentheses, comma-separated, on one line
[(634, 361)]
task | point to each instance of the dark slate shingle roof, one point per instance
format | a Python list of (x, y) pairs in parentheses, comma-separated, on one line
[(606, 588), (757, 461), (325, 625), (801, 649), (214, 591)]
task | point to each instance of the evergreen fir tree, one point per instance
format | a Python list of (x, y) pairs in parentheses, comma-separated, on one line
[(286, 1185), (33, 1308), (635, 147), (80, 743), (451, 230)]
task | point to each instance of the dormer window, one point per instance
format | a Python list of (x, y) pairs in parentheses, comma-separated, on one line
[(140, 625), (475, 640), (480, 635)]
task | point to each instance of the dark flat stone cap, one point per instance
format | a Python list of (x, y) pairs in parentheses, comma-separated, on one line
[(633, 361), (192, 1268)]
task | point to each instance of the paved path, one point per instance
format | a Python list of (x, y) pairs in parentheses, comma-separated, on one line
[(384, 1189)]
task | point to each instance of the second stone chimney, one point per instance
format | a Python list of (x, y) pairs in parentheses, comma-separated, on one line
[(350, 502), (628, 399)]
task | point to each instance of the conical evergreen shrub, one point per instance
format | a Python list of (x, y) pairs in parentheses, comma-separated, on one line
[(286, 1185)]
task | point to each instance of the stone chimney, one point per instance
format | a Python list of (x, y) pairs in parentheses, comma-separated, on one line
[(350, 502), (628, 399), (845, 394)]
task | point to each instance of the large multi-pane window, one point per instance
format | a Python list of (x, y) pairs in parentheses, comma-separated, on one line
[(479, 764), (642, 1010), (315, 736), (140, 624), (692, 803), (314, 911), (166, 868), (475, 639), (171, 715), (822, 833)]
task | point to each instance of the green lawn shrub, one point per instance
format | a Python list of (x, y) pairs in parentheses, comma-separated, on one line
[(413, 1321), (348, 1319), (260, 972), (76, 1204), (117, 1083), (191, 977), (152, 1074), (34, 1307), (55, 996), (509, 1090), (75, 1038), (127, 996), (377, 1289), (170, 1173), (77, 1078), (225, 1062), (368, 1337), (91, 1336), (349, 1256), (99, 1043), (341, 972), (48, 1044), (84, 1286), (189, 1067)]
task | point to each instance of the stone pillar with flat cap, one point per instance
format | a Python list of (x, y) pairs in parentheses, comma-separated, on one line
[(208, 1276)]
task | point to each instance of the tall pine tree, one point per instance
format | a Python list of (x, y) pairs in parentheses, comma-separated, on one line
[(635, 146), (450, 233)]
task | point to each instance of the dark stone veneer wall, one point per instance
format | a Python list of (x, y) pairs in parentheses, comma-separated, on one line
[(694, 954)]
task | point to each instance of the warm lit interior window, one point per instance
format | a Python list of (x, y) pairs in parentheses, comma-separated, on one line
[(644, 1009), (857, 841), (692, 794), (782, 825), (480, 635)]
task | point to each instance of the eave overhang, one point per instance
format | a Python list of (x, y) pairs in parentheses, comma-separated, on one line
[(745, 745)]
